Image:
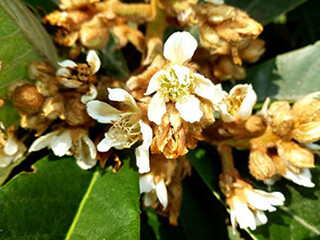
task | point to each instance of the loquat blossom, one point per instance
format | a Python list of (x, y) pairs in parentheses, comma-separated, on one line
[(73, 75), (153, 190), (179, 84), (69, 142), (11, 149), (247, 205), (127, 127), (238, 104)]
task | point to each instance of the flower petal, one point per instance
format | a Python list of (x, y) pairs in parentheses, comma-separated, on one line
[(265, 201), (42, 142), (90, 95), (303, 178), (106, 143), (157, 108), (146, 183), (244, 216), (182, 73), (61, 144), (67, 63), (162, 193), (180, 47), (120, 95), (93, 61), (11, 146), (142, 152), (224, 114), (5, 159), (189, 108), (154, 83), (86, 154), (217, 2), (260, 218), (248, 102), (102, 111)]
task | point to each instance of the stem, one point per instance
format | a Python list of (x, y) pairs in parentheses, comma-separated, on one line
[(226, 159), (130, 11)]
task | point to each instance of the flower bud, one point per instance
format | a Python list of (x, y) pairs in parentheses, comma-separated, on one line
[(253, 51), (225, 69), (261, 165), (297, 156), (75, 110), (307, 132), (95, 33), (27, 99), (312, 105), (280, 118)]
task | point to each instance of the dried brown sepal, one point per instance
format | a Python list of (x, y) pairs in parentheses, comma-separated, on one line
[(253, 51), (182, 10), (225, 69), (53, 107)]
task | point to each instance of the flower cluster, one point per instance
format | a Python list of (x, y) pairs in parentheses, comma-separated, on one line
[(163, 109)]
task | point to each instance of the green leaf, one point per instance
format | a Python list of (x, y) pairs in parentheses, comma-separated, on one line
[(22, 40), (42, 205), (9, 115), (110, 208), (289, 76), (47, 5), (265, 11), (299, 218)]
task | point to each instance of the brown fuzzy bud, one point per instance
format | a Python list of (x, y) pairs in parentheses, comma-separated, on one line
[(280, 118), (297, 156), (225, 69), (261, 165), (307, 109), (253, 51), (75, 110), (95, 33), (307, 132), (27, 99)]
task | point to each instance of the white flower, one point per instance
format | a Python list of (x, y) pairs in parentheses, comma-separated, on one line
[(126, 129), (11, 151), (238, 104), (247, 210), (177, 83), (69, 142), (148, 186), (302, 178)]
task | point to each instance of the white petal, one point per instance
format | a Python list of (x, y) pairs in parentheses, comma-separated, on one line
[(93, 61), (203, 87), (189, 108), (146, 183), (244, 216), (102, 111), (233, 220), (67, 63), (11, 146), (154, 83), (303, 179), (120, 95), (182, 73), (162, 193), (5, 159), (106, 143), (42, 142), (68, 83), (142, 152), (90, 95), (248, 102), (217, 2), (63, 72), (157, 108), (180, 47), (224, 114), (265, 201), (260, 218), (86, 154), (91, 147), (61, 144)]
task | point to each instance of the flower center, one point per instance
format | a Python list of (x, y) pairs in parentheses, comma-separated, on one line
[(176, 83), (124, 130), (234, 102)]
